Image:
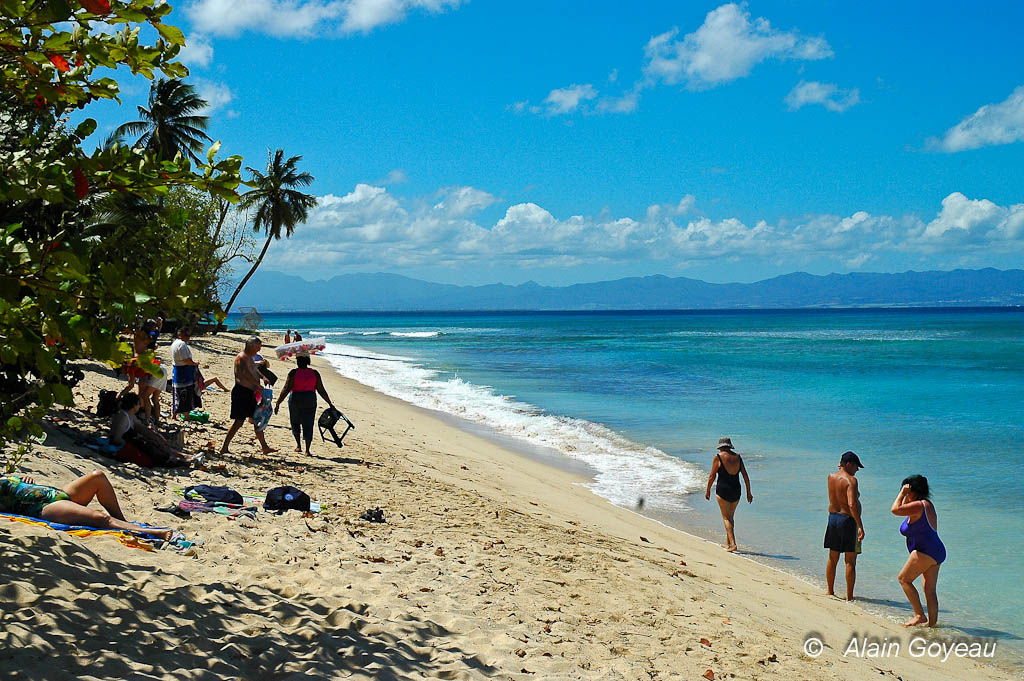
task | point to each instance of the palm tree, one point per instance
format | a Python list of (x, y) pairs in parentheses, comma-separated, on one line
[(172, 123), (277, 203)]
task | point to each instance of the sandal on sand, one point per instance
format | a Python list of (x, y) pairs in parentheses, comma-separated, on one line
[(373, 515), (173, 509)]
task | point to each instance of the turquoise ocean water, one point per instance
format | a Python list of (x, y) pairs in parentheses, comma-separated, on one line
[(638, 400)]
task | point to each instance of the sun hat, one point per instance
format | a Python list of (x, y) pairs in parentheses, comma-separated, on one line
[(850, 457), (725, 443)]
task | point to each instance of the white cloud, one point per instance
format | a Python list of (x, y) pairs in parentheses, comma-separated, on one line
[(217, 95), (725, 47), (304, 18), (827, 95), (463, 201), (198, 51), (991, 125), (369, 227), (964, 222), (568, 99), (627, 103), (396, 176)]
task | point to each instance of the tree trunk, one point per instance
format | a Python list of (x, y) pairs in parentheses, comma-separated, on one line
[(245, 279)]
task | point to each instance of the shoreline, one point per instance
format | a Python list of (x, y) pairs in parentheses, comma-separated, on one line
[(551, 458), (874, 602), (490, 566)]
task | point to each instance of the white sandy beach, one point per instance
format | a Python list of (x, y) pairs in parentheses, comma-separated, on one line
[(490, 565)]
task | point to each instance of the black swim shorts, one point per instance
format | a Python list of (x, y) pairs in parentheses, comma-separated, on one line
[(243, 402), (841, 533)]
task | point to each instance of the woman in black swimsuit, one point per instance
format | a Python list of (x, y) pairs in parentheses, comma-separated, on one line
[(727, 467)]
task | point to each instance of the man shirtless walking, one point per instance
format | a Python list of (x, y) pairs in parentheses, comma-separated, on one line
[(243, 395), (845, 530)]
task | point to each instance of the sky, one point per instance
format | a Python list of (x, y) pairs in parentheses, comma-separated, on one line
[(563, 142)]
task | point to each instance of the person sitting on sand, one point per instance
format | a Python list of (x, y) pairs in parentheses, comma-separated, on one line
[(21, 496), (243, 395), (845, 530), (727, 467), (926, 549), (138, 444), (303, 383)]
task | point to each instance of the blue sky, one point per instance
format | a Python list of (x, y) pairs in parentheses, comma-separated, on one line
[(475, 142)]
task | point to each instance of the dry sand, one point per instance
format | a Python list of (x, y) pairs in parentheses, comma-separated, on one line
[(491, 565)]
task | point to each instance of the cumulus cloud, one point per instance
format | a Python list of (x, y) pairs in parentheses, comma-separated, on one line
[(991, 125), (727, 46), (304, 18), (371, 227), (827, 95), (463, 201), (198, 51), (963, 221)]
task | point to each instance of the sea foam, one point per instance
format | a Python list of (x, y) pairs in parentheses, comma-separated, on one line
[(624, 471)]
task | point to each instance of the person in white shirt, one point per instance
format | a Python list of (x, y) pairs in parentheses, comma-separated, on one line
[(184, 374)]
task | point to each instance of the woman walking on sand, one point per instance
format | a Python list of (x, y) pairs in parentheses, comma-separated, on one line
[(727, 467), (303, 384), (926, 549)]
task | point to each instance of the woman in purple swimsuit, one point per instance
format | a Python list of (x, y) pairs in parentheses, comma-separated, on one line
[(926, 549)]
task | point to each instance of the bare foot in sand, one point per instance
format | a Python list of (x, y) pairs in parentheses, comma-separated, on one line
[(731, 549), (916, 620), (271, 450), (298, 450)]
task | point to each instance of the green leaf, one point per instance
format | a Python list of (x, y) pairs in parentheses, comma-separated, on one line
[(56, 40), (212, 151), (85, 128), (141, 298), (62, 394), (171, 34)]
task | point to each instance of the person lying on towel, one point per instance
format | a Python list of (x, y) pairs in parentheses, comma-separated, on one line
[(21, 496), (138, 444)]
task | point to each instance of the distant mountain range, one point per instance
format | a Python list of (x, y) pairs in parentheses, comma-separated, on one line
[(276, 292)]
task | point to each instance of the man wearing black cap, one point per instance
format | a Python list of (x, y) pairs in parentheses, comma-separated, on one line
[(845, 530)]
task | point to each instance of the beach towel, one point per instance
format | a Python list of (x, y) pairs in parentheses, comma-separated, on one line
[(139, 539), (229, 510)]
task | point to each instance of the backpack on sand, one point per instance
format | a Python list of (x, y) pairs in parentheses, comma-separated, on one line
[(285, 498), (107, 404)]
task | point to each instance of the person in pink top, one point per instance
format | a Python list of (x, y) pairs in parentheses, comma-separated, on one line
[(302, 384)]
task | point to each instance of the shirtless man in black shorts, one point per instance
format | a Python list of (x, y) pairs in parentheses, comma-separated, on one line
[(845, 530), (243, 395)]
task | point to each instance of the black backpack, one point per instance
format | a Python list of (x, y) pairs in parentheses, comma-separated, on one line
[(107, 404), (285, 498)]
